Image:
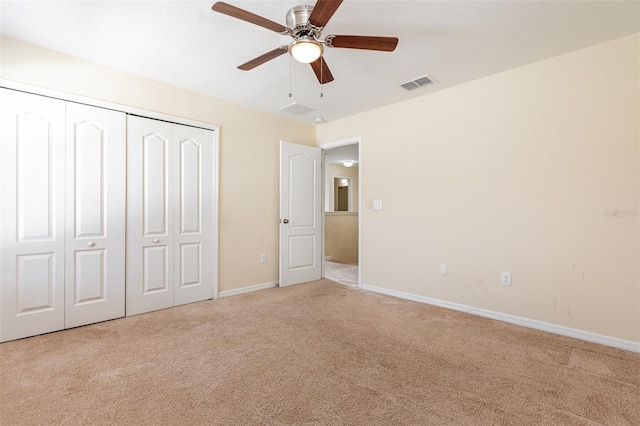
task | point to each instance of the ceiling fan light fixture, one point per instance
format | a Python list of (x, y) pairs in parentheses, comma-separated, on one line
[(305, 24), (305, 50)]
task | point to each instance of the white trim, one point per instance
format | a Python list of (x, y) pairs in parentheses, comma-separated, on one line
[(248, 289), (360, 212), (323, 201), (216, 211), (343, 142), (337, 144), (41, 91), (513, 319)]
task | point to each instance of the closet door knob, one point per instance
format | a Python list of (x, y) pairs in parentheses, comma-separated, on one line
[(91, 244), (156, 241)]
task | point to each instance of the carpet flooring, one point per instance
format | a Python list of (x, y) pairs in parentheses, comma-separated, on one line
[(342, 273), (314, 354)]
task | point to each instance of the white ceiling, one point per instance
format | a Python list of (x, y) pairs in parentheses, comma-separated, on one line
[(186, 44), (341, 154)]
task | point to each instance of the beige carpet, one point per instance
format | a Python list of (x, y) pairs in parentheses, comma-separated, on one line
[(314, 354)]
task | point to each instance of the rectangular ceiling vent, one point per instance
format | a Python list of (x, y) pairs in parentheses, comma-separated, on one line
[(418, 83), (297, 109)]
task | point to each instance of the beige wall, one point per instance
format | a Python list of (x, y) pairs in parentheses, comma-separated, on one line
[(341, 237), (514, 172), (338, 170), (249, 142)]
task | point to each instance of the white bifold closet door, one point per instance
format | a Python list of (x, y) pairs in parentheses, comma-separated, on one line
[(62, 226), (95, 243), (32, 196), (170, 214)]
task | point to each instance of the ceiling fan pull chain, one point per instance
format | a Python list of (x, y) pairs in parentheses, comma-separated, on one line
[(290, 77), (321, 66)]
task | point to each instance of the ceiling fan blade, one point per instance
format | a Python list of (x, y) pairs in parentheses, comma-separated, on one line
[(323, 11), (385, 44), (322, 71), (236, 12), (263, 58)]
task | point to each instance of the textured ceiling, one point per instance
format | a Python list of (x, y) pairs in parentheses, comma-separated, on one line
[(342, 154), (186, 44)]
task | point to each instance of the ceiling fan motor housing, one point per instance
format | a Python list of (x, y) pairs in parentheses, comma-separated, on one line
[(298, 23)]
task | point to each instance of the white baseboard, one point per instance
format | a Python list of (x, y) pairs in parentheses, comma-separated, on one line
[(525, 322), (248, 289)]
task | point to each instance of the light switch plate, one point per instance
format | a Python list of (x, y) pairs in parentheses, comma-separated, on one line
[(377, 204), (443, 269)]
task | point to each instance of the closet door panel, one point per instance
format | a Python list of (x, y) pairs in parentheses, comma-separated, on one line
[(32, 224), (194, 214), (95, 258), (150, 198)]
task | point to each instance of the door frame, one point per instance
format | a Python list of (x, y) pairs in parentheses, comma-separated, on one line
[(336, 144)]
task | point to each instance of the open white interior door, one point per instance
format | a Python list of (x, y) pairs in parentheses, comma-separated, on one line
[(300, 213)]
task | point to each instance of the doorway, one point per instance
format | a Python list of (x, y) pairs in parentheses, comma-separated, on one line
[(341, 212)]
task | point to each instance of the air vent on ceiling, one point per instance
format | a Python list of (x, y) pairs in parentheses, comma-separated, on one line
[(297, 109), (418, 83)]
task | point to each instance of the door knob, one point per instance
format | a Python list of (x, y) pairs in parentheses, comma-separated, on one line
[(91, 244), (156, 241), (286, 221)]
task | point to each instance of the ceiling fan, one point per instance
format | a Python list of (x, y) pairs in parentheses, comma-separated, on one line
[(305, 24)]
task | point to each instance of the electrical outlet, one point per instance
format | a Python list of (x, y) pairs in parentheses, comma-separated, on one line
[(263, 257), (506, 278)]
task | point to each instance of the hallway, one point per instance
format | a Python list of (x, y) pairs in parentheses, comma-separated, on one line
[(342, 273)]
